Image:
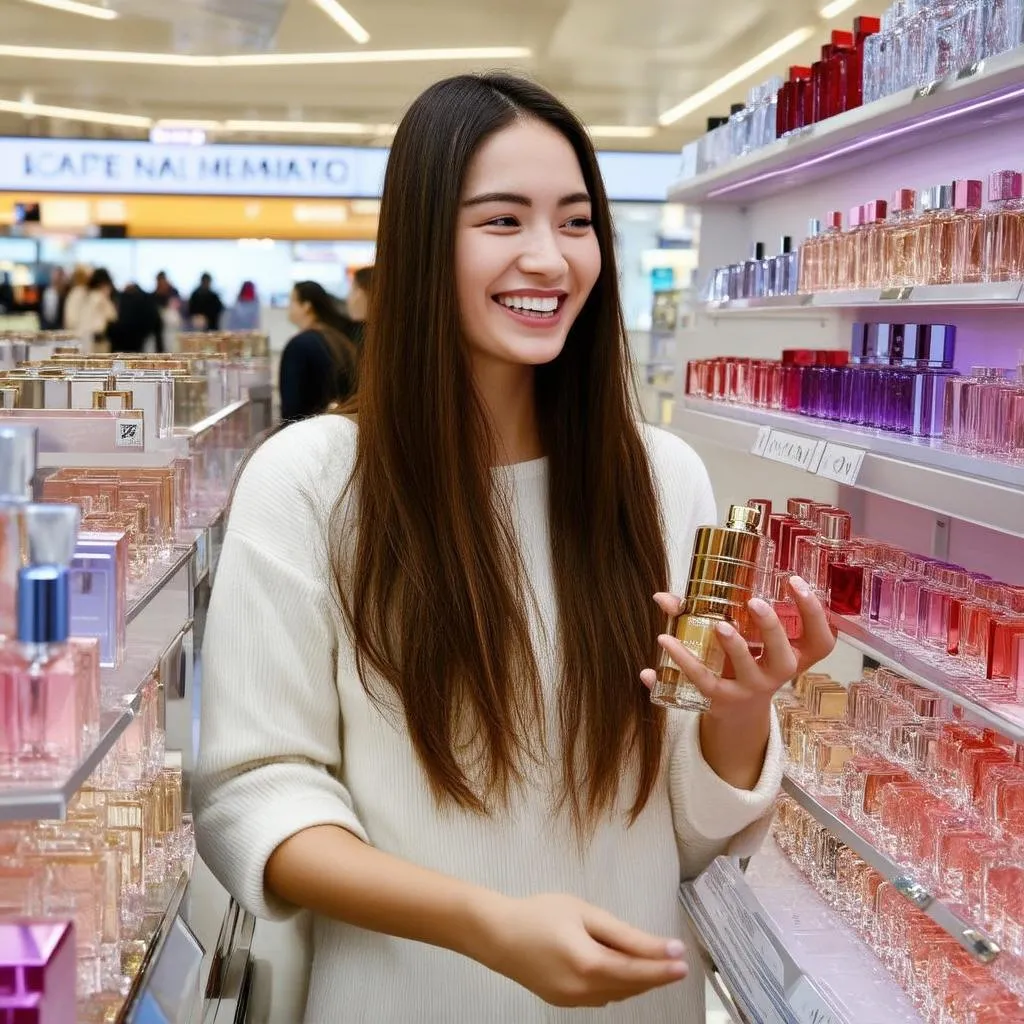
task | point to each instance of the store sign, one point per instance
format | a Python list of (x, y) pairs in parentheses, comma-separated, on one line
[(337, 172)]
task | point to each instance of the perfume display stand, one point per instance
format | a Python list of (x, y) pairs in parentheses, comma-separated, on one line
[(836, 920), (192, 963)]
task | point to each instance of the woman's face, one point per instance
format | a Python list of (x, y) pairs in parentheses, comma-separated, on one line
[(298, 311), (526, 255), (356, 302)]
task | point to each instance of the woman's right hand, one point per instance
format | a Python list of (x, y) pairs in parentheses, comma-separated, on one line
[(573, 954)]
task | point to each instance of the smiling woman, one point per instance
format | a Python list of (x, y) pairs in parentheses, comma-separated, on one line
[(423, 717)]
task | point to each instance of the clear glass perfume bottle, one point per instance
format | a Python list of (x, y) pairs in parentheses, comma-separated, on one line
[(784, 269), (934, 249), (968, 232), (1003, 26), (901, 240), (1004, 227), (723, 577), (810, 260)]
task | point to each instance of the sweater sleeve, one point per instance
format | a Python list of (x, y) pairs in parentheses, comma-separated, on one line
[(711, 817), (270, 755)]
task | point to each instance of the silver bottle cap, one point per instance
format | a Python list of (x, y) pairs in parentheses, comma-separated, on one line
[(17, 462), (814, 228), (52, 531), (944, 197)]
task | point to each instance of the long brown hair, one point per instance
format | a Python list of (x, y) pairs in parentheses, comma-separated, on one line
[(433, 590)]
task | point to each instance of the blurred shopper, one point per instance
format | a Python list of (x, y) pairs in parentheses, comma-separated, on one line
[(205, 307), (244, 315), (74, 304), (165, 293), (423, 716), (138, 321), (358, 303), (320, 364), (51, 304), (99, 310)]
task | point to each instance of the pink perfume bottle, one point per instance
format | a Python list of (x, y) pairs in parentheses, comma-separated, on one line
[(41, 673), (901, 240), (968, 232), (1004, 226)]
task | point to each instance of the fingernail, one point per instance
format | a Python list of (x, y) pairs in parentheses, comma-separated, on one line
[(675, 949), (760, 608), (800, 585), (664, 639), (678, 969), (724, 629)]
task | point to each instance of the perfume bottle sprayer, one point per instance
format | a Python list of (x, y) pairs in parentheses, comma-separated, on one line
[(723, 578)]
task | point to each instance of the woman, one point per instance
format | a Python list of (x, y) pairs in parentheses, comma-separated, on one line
[(318, 365), (358, 303), (244, 315), (99, 311), (421, 713), (74, 304)]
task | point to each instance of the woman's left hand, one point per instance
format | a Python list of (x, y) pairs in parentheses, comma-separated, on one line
[(747, 685)]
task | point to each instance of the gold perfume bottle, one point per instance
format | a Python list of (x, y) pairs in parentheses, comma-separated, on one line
[(723, 578)]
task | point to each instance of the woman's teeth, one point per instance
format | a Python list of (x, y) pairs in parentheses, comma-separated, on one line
[(541, 306)]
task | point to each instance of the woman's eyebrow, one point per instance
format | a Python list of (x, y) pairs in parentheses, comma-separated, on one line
[(519, 200)]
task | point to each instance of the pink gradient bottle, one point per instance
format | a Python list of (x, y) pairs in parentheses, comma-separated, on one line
[(41, 672), (934, 263), (901, 240), (1004, 226), (968, 232), (851, 258), (872, 264), (832, 252)]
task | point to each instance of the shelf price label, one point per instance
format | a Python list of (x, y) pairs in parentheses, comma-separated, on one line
[(129, 433), (841, 463), (896, 294), (926, 90), (789, 449), (808, 1006)]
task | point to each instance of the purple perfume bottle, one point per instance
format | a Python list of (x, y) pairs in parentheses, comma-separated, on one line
[(38, 965)]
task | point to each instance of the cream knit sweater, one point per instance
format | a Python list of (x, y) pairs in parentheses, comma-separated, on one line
[(290, 740)]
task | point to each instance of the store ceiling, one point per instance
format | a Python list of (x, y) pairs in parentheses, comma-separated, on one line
[(619, 63)]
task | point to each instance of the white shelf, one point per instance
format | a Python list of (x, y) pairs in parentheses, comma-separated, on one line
[(975, 296), (918, 471), (897, 123), (935, 671), (951, 919), (774, 940)]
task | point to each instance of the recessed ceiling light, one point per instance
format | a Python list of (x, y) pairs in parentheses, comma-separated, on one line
[(622, 131), (306, 128), (342, 18), (263, 59), (736, 76), (75, 114), (74, 7), (835, 8)]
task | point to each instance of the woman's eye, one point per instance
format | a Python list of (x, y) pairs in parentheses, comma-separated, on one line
[(579, 223), (503, 222)]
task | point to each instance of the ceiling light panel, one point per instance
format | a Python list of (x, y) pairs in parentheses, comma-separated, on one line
[(737, 76), (305, 128), (74, 7), (481, 53), (622, 131), (75, 114), (834, 9), (340, 16)]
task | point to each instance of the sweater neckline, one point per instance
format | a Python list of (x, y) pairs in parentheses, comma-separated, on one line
[(519, 471)]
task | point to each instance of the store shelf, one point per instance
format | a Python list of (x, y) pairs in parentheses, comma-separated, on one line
[(952, 921), (782, 954), (168, 963), (921, 472), (974, 296), (962, 103), (158, 622), (227, 990), (935, 671)]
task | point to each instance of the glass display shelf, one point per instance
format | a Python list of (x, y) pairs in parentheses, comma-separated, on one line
[(158, 621), (965, 102), (782, 954), (953, 920), (1008, 293), (920, 471), (937, 672)]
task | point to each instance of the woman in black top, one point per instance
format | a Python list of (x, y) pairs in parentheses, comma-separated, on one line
[(319, 365)]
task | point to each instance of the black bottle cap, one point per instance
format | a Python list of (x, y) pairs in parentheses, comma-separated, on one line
[(737, 108), (787, 244), (759, 250)]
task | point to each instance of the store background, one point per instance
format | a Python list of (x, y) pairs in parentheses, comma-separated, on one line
[(105, 106)]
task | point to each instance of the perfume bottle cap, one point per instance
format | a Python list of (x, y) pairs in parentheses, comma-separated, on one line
[(834, 219), (744, 517), (787, 245), (1005, 185), (814, 228), (967, 194), (17, 462), (759, 251), (935, 345), (44, 605), (877, 211), (834, 524), (52, 531), (737, 108), (798, 357), (840, 38), (765, 505), (904, 200), (864, 27), (856, 217), (882, 335), (799, 73), (944, 196), (801, 508)]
